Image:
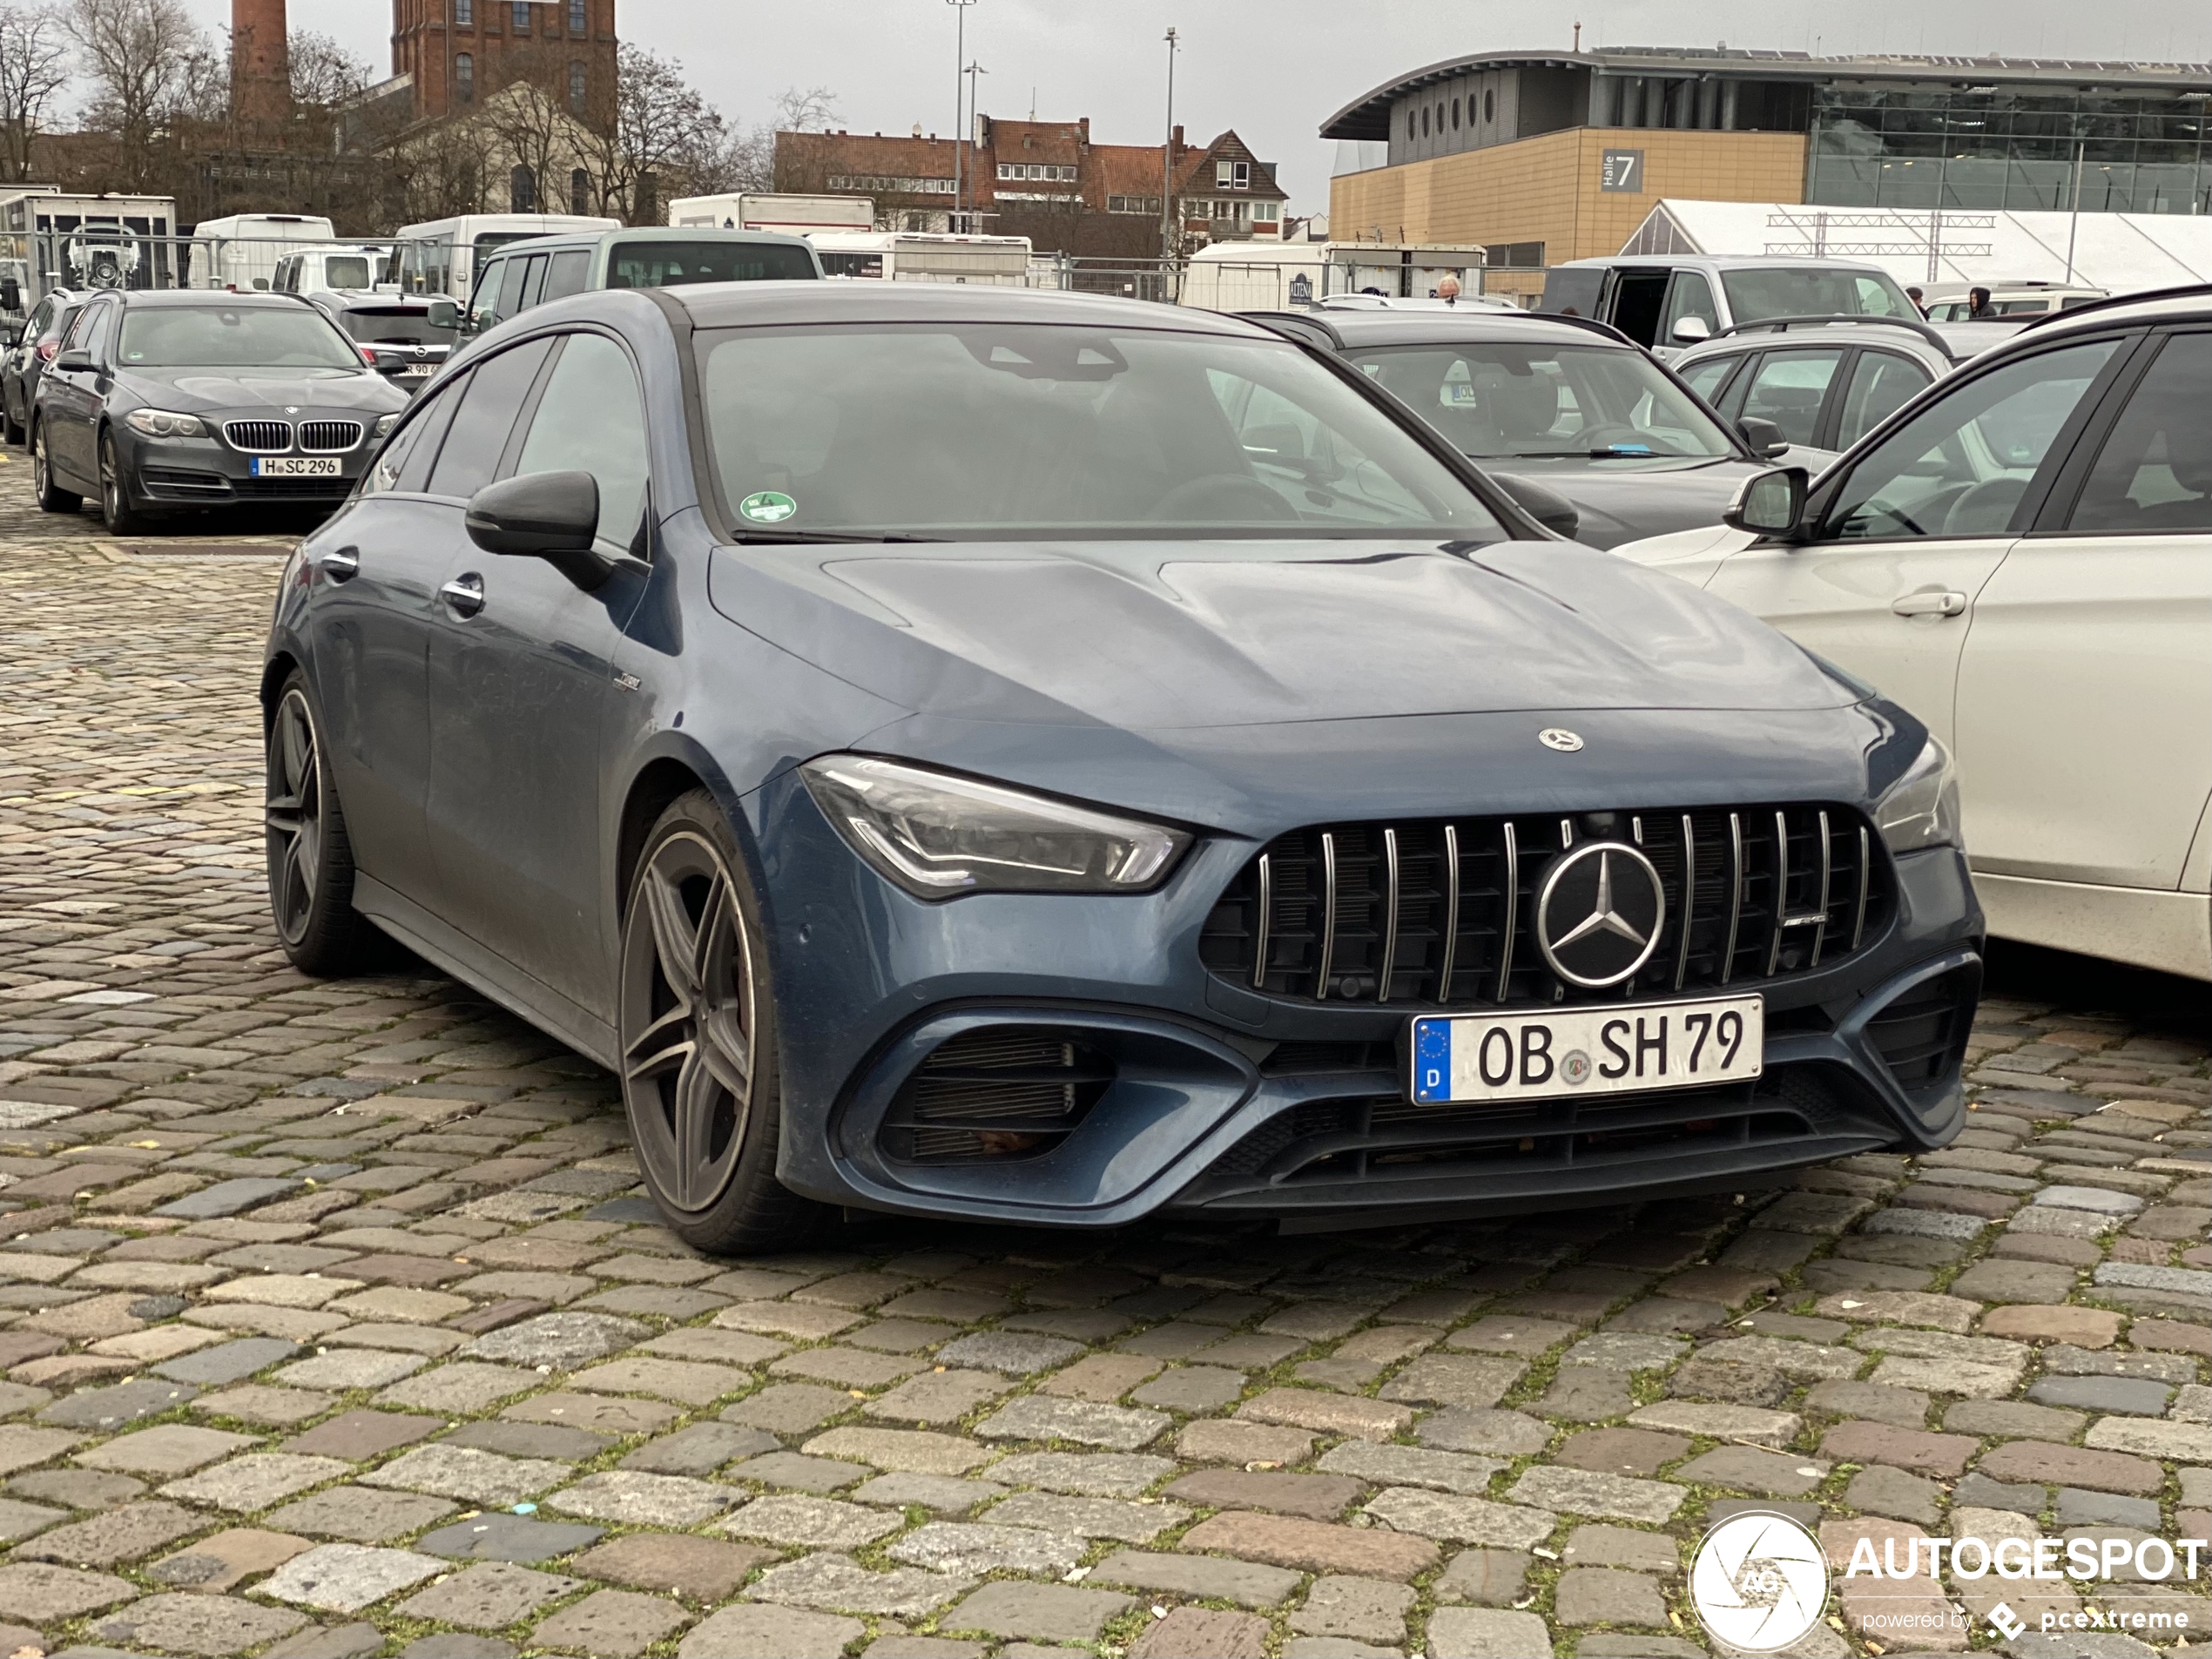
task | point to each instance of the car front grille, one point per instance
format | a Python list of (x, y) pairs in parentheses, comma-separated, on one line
[(1001, 1092), (324, 437), (1442, 912), (258, 437)]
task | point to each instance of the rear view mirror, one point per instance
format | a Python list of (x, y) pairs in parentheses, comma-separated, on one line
[(1762, 437), (550, 516), (1547, 506), (1769, 503), (1688, 331)]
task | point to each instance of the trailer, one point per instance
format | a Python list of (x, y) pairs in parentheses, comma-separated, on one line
[(924, 256), (49, 240)]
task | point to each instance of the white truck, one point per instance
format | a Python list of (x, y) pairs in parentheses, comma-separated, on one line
[(794, 215), (241, 251)]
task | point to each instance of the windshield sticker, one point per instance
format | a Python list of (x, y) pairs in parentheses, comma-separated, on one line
[(767, 506)]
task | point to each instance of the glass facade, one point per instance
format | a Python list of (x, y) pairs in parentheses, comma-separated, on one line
[(1900, 144)]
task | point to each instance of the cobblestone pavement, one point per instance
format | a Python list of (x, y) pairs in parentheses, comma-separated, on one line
[(333, 1321)]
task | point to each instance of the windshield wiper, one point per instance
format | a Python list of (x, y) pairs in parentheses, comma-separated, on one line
[(1580, 455), (752, 538)]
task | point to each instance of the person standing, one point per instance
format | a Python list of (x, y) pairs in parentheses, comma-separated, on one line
[(1978, 307), (1918, 303)]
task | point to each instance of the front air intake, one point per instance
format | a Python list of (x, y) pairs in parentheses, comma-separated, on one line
[(999, 1093)]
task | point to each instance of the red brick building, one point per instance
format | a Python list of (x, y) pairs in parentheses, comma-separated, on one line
[(1046, 180), (460, 51)]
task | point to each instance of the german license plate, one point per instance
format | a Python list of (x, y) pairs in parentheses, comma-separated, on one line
[(1555, 1052), (416, 371), (295, 466)]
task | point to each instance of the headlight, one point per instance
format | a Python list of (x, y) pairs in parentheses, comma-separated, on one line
[(938, 835), (162, 423), (1921, 808), (384, 424)]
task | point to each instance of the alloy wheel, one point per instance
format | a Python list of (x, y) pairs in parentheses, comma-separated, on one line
[(39, 471), (687, 1022), (292, 813)]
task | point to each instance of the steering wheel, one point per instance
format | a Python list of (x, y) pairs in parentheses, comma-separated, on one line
[(1986, 509), (1216, 494)]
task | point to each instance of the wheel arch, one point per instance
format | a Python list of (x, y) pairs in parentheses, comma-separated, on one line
[(675, 767), (278, 669)]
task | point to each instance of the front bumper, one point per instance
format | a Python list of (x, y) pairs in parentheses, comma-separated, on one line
[(1190, 1094), (210, 472)]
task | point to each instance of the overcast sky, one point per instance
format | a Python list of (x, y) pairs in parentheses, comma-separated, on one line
[(1273, 70)]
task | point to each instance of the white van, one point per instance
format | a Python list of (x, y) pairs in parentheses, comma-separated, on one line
[(445, 255), (343, 267), (241, 251)]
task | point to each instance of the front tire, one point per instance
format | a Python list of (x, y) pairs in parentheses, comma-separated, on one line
[(697, 1027), (52, 498), (311, 858), (116, 510)]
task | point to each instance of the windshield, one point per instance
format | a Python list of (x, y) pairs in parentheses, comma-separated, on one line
[(1495, 401), (665, 265), (212, 337), (1813, 292), (958, 431)]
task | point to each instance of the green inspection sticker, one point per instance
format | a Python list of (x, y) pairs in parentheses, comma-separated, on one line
[(767, 506)]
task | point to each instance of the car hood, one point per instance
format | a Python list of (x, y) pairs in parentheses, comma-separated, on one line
[(1166, 635), (1625, 502), (193, 389)]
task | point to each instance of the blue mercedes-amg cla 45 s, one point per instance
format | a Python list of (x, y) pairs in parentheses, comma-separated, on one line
[(1061, 760)]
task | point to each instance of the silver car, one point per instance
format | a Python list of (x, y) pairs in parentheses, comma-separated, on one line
[(1827, 381)]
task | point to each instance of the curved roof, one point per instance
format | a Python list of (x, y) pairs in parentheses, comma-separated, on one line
[(1368, 116), (739, 305)]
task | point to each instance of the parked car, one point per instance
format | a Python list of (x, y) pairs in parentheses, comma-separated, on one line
[(1667, 301), (1417, 302), (1590, 433), (1828, 381), (27, 358), (342, 268), (523, 274), (1953, 301), (407, 337), (947, 756), (159, 400), (2024, 559)]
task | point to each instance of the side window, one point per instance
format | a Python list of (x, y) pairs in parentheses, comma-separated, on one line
[(404, 462), (469, 457), (494, 303), (79, 332), (570, 270), (1691, 296), (1788, 388), (1963, 464), (533, 283), (1882, 382), (1705, 377), (591, 419), (2154, 475)]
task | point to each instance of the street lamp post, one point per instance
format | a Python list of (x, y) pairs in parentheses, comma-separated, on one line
[(960, 71), (1167, 176), (974, 196)]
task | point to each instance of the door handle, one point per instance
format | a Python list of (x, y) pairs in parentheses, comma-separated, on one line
[(1930, 602), (342, 565), (465, 594)]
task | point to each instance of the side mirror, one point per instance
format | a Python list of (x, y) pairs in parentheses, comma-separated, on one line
[(550, 516), (10, 294), (444, 314), (76, 360), (1762, 438), (1547, 506), (14, 334), (1769, 503), (1688, 331)]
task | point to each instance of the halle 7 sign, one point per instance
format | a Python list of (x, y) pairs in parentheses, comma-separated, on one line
[(1621, 170)]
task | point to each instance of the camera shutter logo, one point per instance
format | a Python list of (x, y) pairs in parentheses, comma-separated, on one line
[(1759, 1581)]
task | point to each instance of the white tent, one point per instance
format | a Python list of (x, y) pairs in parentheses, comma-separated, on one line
[(2120, 253)]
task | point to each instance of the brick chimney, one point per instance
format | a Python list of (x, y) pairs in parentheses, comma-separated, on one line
[(260, 64)]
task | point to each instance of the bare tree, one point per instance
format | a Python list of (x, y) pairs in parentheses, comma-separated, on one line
[(812, 111), (324, 74), (653, 138), (140, 54), (34, 67)]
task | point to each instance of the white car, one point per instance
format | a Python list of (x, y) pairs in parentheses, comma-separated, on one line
[(2022, 557)]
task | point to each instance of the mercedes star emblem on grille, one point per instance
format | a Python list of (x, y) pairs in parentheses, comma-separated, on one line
[(1599, 913), (1554, 737)]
